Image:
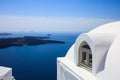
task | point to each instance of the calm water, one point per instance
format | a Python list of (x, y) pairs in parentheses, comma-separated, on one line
[(36, 62)]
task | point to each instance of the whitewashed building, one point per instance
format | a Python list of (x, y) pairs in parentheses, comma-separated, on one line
[(6, 73), (94, 55)]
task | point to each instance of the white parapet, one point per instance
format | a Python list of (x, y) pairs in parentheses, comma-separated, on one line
[(68, 71), (6, 73)]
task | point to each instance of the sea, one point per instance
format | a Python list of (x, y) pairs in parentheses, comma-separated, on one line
[(36, 62)]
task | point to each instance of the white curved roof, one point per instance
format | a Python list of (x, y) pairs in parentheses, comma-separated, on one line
[(104, 42), (113, 27)]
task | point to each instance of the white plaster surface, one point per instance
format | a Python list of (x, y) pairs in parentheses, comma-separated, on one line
[(6, 73), (104, 42)]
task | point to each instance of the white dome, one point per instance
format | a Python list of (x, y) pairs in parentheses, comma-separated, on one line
[(113, 27), (104, 43)]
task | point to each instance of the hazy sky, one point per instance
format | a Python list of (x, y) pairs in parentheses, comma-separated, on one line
[(56, 15)]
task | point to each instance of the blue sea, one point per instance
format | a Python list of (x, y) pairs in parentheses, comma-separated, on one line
[(36, 62)]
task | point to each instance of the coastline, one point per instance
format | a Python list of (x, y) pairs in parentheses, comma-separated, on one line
[(27, 40)]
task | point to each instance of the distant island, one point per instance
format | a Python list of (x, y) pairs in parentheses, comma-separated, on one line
[(5, 34), (26, 40)]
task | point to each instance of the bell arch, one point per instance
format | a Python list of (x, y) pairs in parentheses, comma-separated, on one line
[(85, 56)]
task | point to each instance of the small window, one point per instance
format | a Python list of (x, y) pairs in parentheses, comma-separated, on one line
[(85, 56), (90, 60)]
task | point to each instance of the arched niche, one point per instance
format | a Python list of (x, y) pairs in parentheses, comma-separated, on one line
[(85, 56)]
